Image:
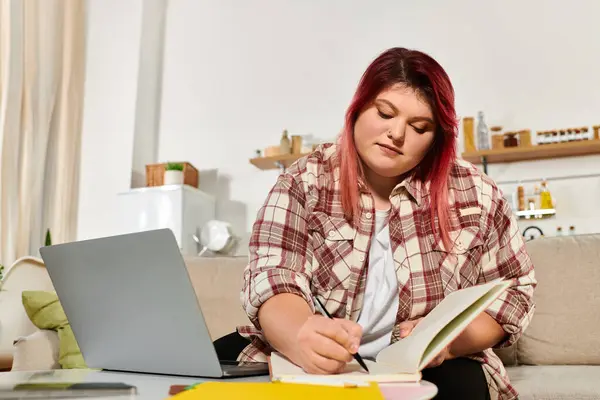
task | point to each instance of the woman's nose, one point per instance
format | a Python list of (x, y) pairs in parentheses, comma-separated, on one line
[(397, 132)]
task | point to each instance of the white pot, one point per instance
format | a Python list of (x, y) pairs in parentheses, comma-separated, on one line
[(173, 177)]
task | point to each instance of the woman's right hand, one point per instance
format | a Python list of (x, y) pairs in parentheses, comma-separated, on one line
[(326, 345)]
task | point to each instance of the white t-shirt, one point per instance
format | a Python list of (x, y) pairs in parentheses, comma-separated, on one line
[(380, 305)]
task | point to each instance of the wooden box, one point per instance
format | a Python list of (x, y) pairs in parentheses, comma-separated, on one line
[(155, 174)]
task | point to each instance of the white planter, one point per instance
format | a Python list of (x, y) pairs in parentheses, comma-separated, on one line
[(173, 177)]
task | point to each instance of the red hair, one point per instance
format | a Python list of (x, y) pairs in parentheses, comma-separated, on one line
[(423, 74)]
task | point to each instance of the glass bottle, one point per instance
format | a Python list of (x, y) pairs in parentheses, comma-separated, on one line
[(483, 133), (469, 134), (285, 146), (545, 197), (521, 197)]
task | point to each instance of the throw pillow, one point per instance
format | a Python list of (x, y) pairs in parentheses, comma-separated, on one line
[(45, 312)]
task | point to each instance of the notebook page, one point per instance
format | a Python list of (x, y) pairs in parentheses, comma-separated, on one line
[(458, 324), (407, 354), (285, 371)]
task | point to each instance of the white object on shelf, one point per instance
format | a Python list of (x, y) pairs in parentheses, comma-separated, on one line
[(173, 177), (182, 208), (536, 213)]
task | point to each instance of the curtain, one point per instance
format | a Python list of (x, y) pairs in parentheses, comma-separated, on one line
[(42, 52)]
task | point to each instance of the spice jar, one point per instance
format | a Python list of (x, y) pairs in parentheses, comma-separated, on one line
[(540, 137), (525, 137), (510, 139), (497, 138)]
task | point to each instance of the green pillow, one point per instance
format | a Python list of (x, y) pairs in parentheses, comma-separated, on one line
[(45, 312)]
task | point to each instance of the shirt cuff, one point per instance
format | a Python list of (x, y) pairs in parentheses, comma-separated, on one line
[(513, 311)]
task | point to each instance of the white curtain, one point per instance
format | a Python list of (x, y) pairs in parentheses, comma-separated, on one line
[(42, 51)]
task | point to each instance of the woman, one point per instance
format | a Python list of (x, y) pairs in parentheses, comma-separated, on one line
[(383, 225)]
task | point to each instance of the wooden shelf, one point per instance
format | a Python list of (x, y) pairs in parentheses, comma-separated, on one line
[(539, 152), (276, 162)]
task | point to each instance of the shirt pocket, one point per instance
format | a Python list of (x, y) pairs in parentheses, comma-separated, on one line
[(460, 266), (333, 245)]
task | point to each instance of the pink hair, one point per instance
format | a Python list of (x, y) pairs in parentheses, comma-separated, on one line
[(423, 74)]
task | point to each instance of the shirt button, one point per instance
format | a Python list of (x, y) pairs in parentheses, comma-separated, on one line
[(361, 258), (331, 233), (369, 215)]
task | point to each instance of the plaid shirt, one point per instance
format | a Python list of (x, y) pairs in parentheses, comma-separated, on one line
[(302, 244)]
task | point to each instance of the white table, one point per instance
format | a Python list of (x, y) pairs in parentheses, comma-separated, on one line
[(150, 387), (156, 387)]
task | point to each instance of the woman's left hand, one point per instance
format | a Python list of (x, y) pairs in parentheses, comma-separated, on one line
[(406, 328)]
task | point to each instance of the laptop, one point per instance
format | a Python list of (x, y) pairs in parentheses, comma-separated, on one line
[(132, 307)]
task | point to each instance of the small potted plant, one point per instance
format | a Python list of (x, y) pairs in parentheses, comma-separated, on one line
[(173, 174)]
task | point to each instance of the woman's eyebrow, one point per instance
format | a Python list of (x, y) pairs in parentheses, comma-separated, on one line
[(393, 107), (418, 119)]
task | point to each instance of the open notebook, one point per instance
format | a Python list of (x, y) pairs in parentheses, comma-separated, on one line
[(403, 360)]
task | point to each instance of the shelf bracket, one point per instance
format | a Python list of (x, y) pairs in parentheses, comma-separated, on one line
[(281, 166), (485, 164)]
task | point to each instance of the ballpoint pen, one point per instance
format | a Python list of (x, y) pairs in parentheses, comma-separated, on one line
[(357, 356)]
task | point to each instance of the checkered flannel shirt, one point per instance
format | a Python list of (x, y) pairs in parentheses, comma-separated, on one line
[(302, 244)]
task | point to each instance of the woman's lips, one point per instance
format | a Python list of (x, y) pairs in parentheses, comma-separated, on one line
[(389, 150)]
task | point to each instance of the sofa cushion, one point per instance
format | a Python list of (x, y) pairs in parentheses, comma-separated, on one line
[(43, 309), (46, 312), (508, 355), (564, 328), (37, 352), (553, 382)]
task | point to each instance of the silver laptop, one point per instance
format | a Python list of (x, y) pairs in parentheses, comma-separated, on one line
[(132, 307)]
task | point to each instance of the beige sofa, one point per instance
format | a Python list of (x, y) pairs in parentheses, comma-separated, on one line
[(558, 357)]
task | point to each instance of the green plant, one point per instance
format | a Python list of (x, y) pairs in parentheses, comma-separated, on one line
[(48, 241), (174, 166)]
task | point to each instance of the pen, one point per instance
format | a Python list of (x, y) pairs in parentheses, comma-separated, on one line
[(357, 356)]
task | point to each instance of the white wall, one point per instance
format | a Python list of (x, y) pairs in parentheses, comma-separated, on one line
[(149, 87), (113, 40), (237, 73)]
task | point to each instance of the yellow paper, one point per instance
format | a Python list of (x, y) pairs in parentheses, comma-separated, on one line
[(277, 390)]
